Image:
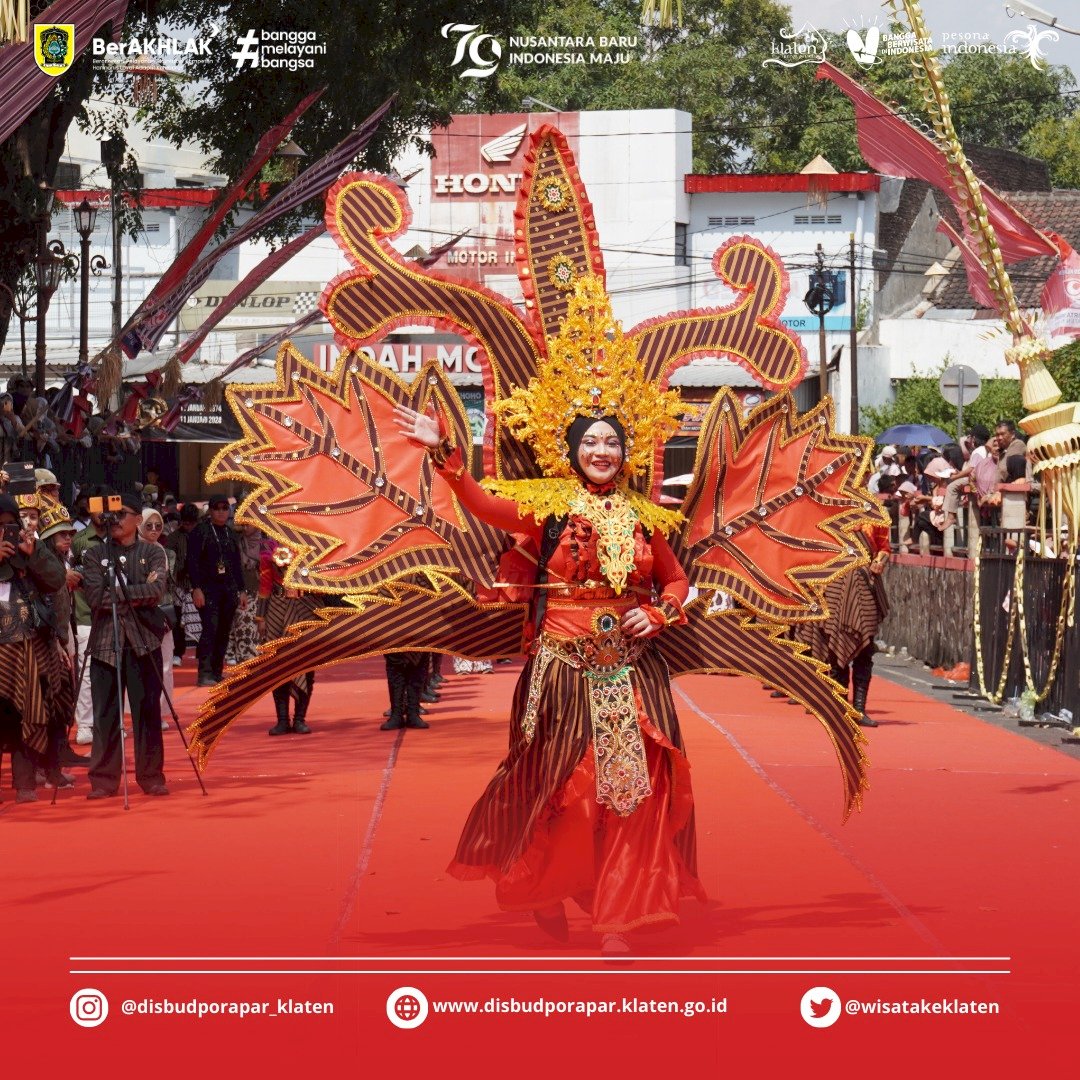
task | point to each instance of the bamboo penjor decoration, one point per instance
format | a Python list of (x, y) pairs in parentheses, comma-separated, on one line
[(1054, 443)]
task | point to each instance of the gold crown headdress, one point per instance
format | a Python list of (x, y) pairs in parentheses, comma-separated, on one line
[(590, 370)]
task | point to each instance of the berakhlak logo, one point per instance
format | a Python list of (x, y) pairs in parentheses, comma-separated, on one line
[(1030, 43), (88, 1007), (54, 47), (407, 1007), (247, 50), (500, 150), (820, 1007), (865, 49), (477, 46)]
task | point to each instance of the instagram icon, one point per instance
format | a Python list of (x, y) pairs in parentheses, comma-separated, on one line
[(89, 1007)]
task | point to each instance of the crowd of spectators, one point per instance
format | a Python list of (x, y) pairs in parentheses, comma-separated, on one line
[(934, 493), (193, 583)]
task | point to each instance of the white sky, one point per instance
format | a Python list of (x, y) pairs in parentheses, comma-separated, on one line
[(950, 17)]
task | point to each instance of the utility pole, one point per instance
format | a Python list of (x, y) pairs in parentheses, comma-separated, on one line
[(854, 347)]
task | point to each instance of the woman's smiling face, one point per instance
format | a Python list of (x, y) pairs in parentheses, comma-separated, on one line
[(600, 453)]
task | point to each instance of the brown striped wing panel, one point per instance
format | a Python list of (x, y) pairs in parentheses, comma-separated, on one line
[(334, 481), (384, 291), (777, 505), (731, 642), (401, 618)]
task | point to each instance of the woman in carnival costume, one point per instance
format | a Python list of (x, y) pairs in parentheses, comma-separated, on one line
[(593, 801)]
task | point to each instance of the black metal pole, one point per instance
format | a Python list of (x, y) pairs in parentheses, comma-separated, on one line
[(854, 347), (823, 373), (84, 300), (42, 307)]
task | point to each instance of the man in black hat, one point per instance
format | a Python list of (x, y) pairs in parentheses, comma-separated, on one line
[(144, 570), (217, 587)]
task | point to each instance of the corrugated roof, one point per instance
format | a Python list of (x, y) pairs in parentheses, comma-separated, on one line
[(1057, 211)]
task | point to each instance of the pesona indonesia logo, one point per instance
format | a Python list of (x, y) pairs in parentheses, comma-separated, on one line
[(1029, 42), (806, 45), (480, 54), (484, 50)]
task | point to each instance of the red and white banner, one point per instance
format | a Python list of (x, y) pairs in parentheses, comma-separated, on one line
[(1061, 296)]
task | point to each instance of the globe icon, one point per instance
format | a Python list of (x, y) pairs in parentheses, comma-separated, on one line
[(407, 1007)]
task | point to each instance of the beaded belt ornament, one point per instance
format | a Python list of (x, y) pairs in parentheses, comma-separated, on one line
[(606, 661)]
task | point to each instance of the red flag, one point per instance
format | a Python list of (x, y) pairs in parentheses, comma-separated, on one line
[(193, 248), (893, 146), (311, 183), (978, 280), (270, 343), (251, 282)]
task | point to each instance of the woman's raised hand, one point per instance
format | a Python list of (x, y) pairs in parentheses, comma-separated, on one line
[(417, 427)]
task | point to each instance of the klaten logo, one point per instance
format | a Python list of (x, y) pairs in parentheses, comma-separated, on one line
[(54, 47), (806, 45), (865, 50), (484, 50), (502, 149)]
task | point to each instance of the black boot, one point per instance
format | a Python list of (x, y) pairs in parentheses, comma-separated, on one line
[(414, 684), (302, 702), (281, 708), (862, 688), (206, 675), (395, 677), (840, 675)]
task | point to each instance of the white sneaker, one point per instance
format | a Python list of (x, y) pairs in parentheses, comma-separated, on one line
[(84, 737), (177, 661), (164, 725)]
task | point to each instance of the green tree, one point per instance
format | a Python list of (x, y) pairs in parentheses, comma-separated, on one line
[(1057, 142), (1064, 365), (712, 66), (918, 401), (374, 50)]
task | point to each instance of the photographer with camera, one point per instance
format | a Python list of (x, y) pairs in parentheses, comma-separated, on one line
[(28, 658), (141, 574)]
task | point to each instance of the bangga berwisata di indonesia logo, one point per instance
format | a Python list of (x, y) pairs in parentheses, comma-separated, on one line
[(54, 47)]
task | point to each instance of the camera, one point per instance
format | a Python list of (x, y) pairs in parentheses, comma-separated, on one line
[(108, 507), (12, 534), (21, 479)]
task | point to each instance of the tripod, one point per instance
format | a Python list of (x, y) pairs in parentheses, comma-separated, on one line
[(116, 582)]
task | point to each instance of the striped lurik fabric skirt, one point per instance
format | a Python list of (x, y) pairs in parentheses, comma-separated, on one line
[(36, 679), (857, 607), (540, 833)]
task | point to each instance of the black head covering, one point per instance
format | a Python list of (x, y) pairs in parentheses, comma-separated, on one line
[(576, 432), (9, 506), (130, 501)]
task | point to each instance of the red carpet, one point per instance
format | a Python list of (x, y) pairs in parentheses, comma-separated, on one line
[(327, 853)]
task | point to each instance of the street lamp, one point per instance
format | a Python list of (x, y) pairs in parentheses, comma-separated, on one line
[(290, 155), (49, 267), (1040, 15), (85, 219), (529, 101)]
